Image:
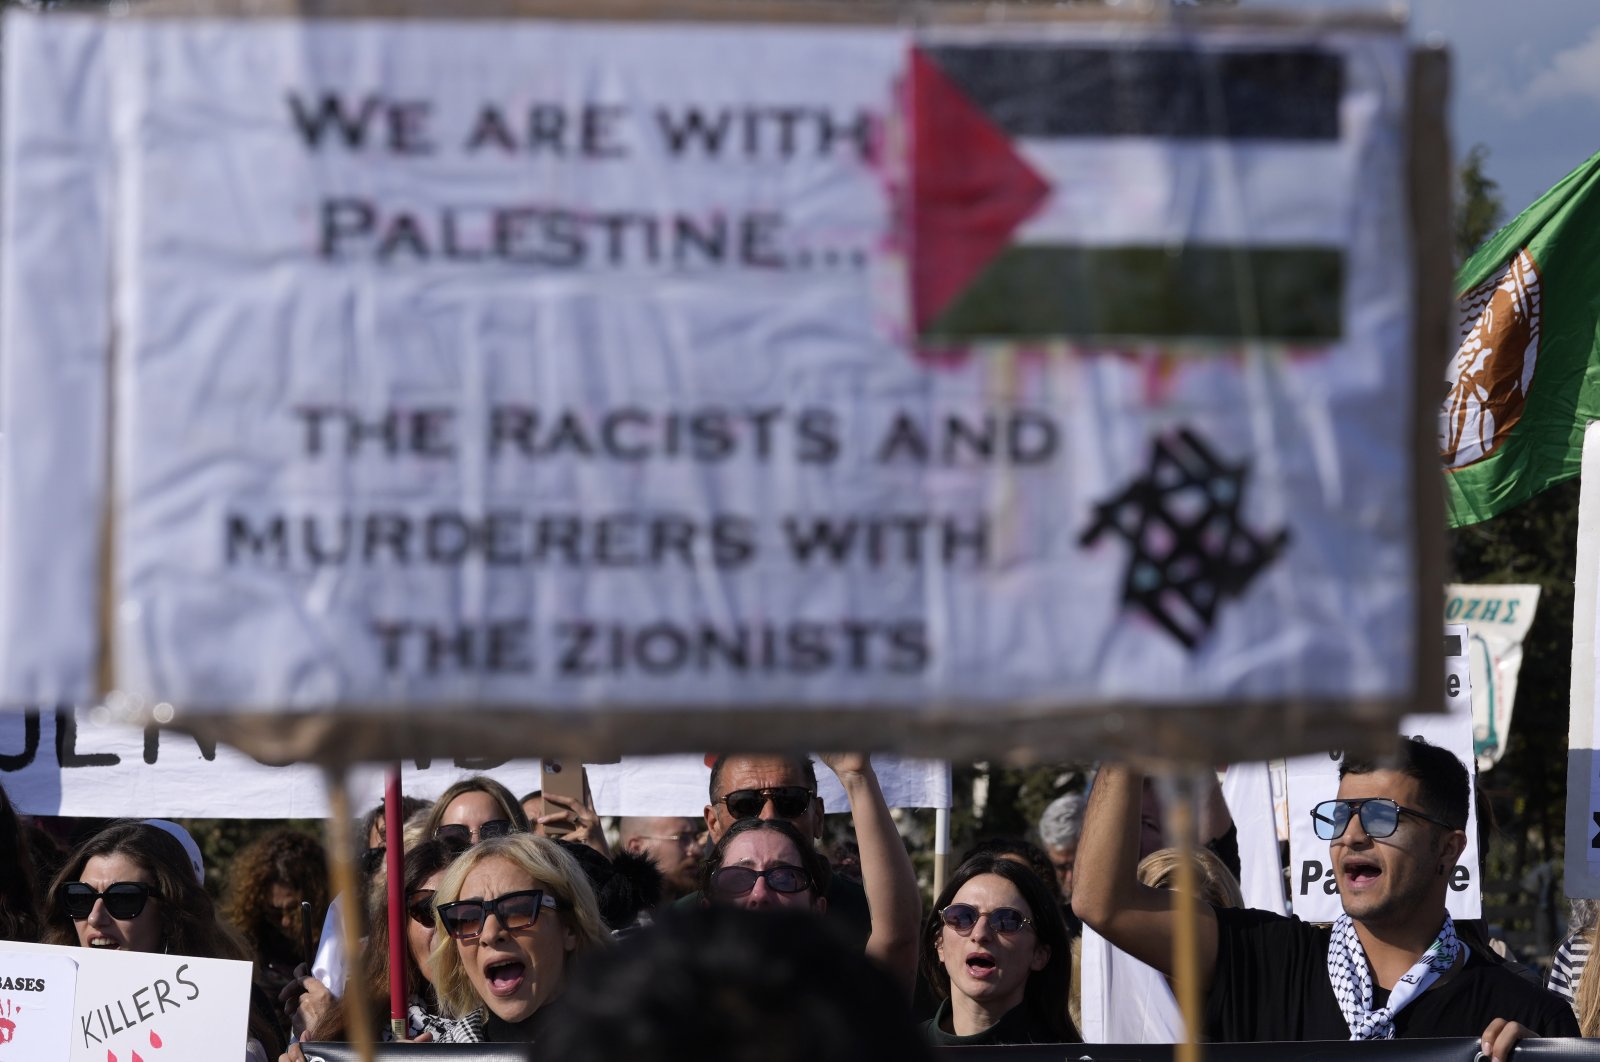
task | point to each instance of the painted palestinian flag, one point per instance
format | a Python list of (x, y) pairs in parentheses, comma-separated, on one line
[(1525, 379), (1143, 190)]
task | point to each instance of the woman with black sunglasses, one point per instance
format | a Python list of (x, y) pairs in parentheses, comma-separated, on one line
[(132, 887), (765, 863), (516, 912), (996, 950)]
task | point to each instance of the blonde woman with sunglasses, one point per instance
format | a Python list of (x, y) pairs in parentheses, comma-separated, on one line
[(515, 911)]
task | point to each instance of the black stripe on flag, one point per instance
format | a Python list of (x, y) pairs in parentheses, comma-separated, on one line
[(1046, 291), (1188, 93)]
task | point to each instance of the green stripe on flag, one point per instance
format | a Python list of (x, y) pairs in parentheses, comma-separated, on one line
[(1049, 292), (1561, 233)]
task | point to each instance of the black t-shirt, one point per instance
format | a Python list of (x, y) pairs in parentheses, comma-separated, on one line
[(1271, 983)]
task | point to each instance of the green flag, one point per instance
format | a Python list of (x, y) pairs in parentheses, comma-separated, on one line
[(1526, 377)]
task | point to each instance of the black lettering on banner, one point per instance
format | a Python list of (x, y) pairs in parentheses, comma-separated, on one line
[(1596, 842), (67, 753), (194, 989), (1452, 686), (152, 740), (16, 761), (1452, 645), (1460, 879)]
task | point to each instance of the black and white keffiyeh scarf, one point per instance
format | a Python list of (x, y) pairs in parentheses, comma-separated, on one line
[(1352, 978)]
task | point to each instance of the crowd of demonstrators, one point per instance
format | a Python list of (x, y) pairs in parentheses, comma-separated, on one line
[(501, 920)]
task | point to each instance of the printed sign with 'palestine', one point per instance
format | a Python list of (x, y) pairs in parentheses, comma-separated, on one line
[(996, 375)]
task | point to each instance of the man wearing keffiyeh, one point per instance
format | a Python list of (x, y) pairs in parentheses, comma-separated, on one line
[(1390, 966)]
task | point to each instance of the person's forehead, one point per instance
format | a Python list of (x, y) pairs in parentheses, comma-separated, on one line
[(759, 772), (988, 891), (494, 876), (1393, 785), (101, 871), (474, 808), (1062, 853), (760, 849)]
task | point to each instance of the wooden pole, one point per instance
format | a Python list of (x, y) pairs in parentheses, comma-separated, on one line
[(1182, 818), (941, 848), (358, 1009)]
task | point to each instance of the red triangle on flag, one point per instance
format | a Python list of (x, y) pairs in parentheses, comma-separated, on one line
[(969, 190)]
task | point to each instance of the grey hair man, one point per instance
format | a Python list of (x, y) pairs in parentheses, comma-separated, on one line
[(1059, 828)]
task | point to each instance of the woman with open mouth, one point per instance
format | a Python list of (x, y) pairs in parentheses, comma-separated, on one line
[(516, 910), (133, 887), (996, 951)]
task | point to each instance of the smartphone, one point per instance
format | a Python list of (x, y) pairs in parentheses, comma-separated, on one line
[(567, 780)]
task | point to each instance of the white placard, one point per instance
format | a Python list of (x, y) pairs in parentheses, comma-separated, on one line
[(441, 383), (36, 997), (171, 1008), (1313, 888), (1498, 618), (1582, 871)]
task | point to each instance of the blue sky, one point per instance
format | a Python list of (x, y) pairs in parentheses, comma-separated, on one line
[(1525, 82)]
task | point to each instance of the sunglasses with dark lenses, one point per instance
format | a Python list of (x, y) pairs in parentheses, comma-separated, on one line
[(464, 919), (1380, 817), (124, 899), (458, 836), (372, 858), (962, 917), (731, 882), (419, 908), (789, 801)]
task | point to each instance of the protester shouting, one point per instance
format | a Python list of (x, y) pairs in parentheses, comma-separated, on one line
[(133, 887), (885, 910), (316, 1015), (1390, 966), (996, 951), (517, 911)]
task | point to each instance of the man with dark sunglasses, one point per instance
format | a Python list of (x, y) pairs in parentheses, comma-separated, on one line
[(1390, 967), (883, 912)]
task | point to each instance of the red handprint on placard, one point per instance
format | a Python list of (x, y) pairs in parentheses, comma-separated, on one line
[(7, 1030)]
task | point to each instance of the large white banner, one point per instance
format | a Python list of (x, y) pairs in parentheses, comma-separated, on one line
[(1497, 618), (61, 762), (175, 1008), (1313, 886), (667, 378)]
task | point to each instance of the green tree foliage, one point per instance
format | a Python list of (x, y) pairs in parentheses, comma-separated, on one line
[(1480, 208)]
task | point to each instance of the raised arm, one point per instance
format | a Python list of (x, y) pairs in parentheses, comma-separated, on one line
[(1106, 892), (886, 872)]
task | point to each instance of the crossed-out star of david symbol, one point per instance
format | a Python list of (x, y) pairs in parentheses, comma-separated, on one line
[(1190, 548)]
